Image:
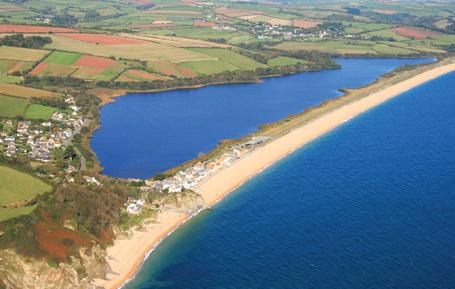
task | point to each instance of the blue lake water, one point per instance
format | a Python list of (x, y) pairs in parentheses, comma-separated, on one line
[(143, 134), (369, 205)]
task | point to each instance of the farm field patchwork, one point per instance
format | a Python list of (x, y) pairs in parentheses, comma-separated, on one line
[(139, 75), (172, 69), (176, 41), (21, 54), (13, 66), (9, 28), (198, 33), (209, 66), (60, 57), (231, 57), (232, 12), (331, 46), (77, 65), (26, 92), (148, 51), (5, 78), (414, 33), (103, 39)]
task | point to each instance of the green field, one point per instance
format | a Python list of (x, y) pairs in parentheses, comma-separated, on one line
[(147, 51), (283, 61), (209, 67), (388, 34), (9, 213), (11, 106), (38, 111), (331, 46), (5, 78), (60, 57), (231, 57), (58, 70), (18, 186), (93, 74)]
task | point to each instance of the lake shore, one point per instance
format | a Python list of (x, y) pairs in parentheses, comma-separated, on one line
[(126, 255)]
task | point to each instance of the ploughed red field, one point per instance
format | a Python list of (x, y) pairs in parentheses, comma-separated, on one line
[(39, 68), (7, 28), (414, 32), (94, 61), (103, 39)]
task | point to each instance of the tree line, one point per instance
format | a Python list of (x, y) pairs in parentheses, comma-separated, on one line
[(19, 40)]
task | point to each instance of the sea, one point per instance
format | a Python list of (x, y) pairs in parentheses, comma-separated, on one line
[(369, 205)]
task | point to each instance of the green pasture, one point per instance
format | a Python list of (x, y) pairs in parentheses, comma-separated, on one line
[(18, 186), (38, 111), (231, 57), (209, 66), (11, 106), (283, 61), (60, 57)]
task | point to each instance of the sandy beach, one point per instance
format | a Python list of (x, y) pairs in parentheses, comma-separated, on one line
[(127, 255)]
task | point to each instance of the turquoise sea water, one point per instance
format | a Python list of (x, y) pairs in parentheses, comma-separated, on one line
[(369, 205), (145, 133)]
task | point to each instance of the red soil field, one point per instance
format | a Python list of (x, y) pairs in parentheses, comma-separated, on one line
[(87, 71), (414, 32), (103, 39), (305, 24), (204, 24), (58, 241), (39, 68), (7, 28), (95, 62), (145, 75)]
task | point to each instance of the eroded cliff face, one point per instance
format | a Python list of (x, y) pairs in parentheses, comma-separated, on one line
[(21, 272)]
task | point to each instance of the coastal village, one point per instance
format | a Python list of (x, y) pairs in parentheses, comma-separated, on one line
[(191, 177), (39, 140)]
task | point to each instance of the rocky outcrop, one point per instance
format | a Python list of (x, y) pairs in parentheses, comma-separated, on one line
[(19, 272)]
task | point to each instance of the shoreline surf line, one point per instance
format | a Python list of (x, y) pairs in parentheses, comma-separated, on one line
[(217, 186)]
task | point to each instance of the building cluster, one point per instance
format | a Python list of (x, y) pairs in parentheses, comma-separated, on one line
[(224, 26), (37, 140), (190, 177), (264, 30)]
